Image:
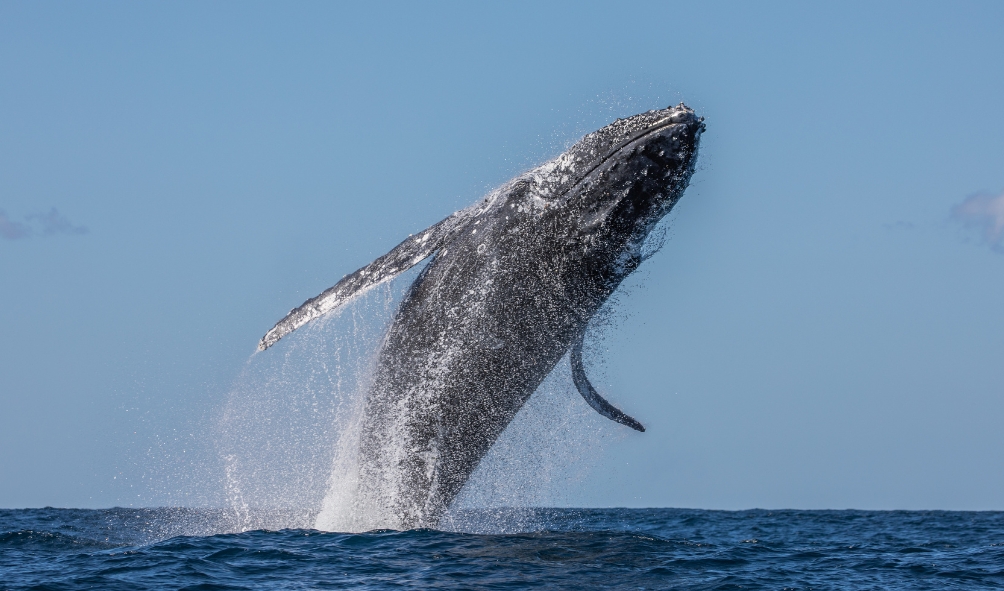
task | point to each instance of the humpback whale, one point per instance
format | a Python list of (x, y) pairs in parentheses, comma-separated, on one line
[(510, 288)]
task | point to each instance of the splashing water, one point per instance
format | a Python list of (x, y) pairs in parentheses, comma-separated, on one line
[(290, 433), (290, 426)]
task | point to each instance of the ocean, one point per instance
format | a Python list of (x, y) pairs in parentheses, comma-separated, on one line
[(133, 549)]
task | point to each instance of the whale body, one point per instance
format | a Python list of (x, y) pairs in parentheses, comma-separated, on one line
[(512, 284)]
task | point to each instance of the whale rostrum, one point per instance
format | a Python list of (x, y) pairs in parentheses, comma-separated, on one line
[(512, 284)]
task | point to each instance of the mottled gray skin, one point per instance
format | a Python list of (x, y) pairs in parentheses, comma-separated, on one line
[(513, 283)]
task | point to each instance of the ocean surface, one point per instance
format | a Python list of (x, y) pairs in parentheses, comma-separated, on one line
[(561, 549)]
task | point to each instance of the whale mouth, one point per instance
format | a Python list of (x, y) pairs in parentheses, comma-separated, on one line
[(680, 116), (677, 117)]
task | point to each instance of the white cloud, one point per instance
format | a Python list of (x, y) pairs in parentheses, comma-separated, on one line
[(12, 230), (47, 224), (983, 212), (55, 223)]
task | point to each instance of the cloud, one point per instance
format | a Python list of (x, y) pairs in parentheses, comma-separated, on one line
[(12, 230), (47, 224), (984, 212), (55, 223)]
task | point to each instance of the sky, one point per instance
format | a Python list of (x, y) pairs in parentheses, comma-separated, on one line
[(822, 329)]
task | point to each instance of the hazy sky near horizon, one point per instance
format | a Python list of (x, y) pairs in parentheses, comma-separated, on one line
[(824, 327)]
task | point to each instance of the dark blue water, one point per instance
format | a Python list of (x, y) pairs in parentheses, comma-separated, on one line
[(573, 549)]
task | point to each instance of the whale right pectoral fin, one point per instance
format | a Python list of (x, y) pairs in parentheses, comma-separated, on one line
[(593, 397), (404, 256)]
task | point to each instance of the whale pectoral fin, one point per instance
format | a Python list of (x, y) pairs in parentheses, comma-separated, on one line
[(593, 397), (404, 256)]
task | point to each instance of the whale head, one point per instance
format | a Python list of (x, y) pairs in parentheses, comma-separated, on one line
[(637, 169), (615, 184), (624, 176)]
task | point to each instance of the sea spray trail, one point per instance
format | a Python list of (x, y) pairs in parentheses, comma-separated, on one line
[(289, 431)]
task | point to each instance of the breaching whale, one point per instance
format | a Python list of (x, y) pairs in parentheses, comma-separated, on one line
[(512, 284)]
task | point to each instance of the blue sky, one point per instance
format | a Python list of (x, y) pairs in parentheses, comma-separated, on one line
[(823, 328)]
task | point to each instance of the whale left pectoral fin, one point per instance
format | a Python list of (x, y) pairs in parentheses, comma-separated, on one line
[(593, 397), (404, 256)]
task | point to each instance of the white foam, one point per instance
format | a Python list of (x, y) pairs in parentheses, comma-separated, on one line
[(291, 430)]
